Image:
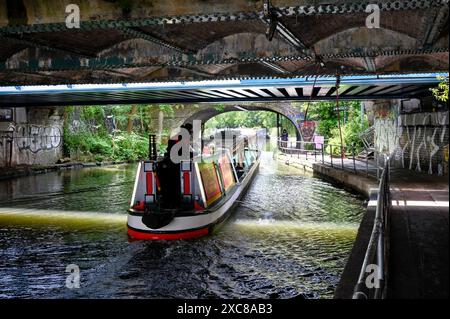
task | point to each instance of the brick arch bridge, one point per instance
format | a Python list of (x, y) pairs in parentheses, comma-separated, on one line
[(204, 112)]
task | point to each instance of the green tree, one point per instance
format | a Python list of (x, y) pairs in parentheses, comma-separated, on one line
[(441, 92), (351, 131), (89, 139), (234, 119)]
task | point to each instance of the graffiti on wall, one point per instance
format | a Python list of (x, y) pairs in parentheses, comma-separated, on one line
[(385, 136), (423, 149), (36, 138), (422, 143), (307, 129), (384, 111)]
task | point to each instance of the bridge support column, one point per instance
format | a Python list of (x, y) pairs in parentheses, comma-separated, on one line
[(298, 137), (384, 115)]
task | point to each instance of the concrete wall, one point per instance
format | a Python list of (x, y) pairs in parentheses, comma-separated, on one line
[(423, 142), (33, 137), (417, 141)]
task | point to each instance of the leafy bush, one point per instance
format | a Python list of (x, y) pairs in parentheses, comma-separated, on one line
[(350, 134), (99, 145), (122, 147), (441, 92), (130, 147), (88, 143), (93, 113), (87, 137)]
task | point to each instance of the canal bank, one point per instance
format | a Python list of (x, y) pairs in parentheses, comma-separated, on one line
[(419, 227), (360, 182), (29, 170)]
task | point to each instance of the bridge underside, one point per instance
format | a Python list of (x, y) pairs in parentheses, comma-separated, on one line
[(300, 89), (143, 41)]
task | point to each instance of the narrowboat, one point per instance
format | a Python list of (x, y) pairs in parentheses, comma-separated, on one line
[(190, 198)]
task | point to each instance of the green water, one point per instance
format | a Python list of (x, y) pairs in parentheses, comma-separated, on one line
[(290, 236)]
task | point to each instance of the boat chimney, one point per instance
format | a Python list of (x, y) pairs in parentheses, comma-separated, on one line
[(152, 154)]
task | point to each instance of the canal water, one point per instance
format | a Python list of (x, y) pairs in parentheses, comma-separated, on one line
[(289, 237)]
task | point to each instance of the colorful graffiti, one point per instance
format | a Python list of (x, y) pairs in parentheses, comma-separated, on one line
[(384, 111), (307, 128)]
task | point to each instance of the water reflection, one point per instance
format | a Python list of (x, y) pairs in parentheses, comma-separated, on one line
[(104, 189)]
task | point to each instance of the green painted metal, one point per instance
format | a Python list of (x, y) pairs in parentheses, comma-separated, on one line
[(58, 64)]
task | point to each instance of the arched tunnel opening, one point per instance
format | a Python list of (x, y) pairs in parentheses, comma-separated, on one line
[(222, 117)]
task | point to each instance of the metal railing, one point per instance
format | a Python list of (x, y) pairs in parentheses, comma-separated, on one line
[(374, 271), (298, 148), (346, 159), (368, 137)]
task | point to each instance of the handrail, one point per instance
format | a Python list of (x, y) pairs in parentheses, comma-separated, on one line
[(368, 136), (375, 259), (347, 152)]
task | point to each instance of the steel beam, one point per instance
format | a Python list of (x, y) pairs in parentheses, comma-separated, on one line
[(434, 25), (275, 67), (304, 10), (375, 87), (143, 99), (141, 35), (271, 19), (123, 62), (369, 64), (288, 36), (40, 45)]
